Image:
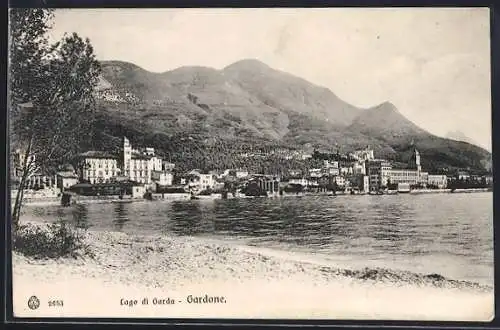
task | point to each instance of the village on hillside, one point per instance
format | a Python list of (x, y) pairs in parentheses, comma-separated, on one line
[(140, 174)]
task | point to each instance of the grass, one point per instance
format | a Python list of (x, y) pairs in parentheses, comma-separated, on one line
[(52, 241)]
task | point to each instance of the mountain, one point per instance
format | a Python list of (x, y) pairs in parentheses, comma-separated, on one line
[(290, 94), (386, 122), (248, 104), (459, 136)]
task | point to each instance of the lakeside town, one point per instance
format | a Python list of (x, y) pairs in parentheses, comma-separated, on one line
[(259, 178), (141, 174)]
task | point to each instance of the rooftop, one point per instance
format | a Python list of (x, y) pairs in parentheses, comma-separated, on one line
[(98, 154), (140, 156), (67, 174)]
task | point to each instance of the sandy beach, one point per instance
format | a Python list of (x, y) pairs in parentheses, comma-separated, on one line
[(248, 282)]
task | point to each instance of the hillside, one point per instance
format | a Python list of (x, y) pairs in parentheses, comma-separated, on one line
[(460, 136), (248, 104), (290, 94), (386, 122)]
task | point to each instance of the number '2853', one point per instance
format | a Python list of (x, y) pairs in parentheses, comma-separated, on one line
[(56, 303)]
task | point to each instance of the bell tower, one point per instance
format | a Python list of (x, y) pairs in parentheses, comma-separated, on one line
[(417, 160), (127, 155)]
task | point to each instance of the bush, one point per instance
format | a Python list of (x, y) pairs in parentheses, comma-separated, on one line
[(51, 241)]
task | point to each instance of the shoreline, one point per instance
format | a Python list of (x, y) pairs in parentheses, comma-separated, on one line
[(273, 284), (101, 200)]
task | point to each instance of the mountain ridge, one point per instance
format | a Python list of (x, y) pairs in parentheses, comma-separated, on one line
[(250, 101)]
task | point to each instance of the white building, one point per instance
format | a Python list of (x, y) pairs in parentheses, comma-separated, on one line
[(240, 174), (138, 165), (359, 168), (301, 181), (167, 166), (331, 168), (315, 172), (162, 178), (155, 163), (346, 170), (66, 180), (340, 181), (149, 151), (332, 171), (462, 175), (441, 181), (397, 176), (329, 164), (201, 181), (139, 169), (207, 181), (378, 172), (364, 155), (381, 173), (98, 166), (134, 164), (138, 191), (423, 178), (366, 183)]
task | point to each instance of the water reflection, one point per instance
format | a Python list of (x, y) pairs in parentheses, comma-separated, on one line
[(120, 216), (80, 216), (375, 227), (60, 213), (191, 218)]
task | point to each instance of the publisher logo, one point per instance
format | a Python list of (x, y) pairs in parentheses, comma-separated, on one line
[(33, 302)]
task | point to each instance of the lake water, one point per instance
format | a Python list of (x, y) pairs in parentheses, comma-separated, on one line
[(448, 234)]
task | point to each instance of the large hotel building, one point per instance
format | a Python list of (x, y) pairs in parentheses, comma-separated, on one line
[(380, 173), (137, 165)]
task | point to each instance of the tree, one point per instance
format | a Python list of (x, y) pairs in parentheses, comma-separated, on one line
[(50, 96)]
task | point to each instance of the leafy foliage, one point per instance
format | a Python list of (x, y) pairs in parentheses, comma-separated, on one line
[(50, 95), (59, 123), (55, 240), (27, 51), (470, 184)]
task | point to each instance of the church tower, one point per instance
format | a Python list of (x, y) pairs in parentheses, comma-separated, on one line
[(127, 155), (417, 161)]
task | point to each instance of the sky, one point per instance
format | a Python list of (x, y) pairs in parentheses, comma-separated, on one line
[(433, 64)]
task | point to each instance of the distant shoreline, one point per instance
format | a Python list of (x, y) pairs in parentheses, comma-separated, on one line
[(115, 199)]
